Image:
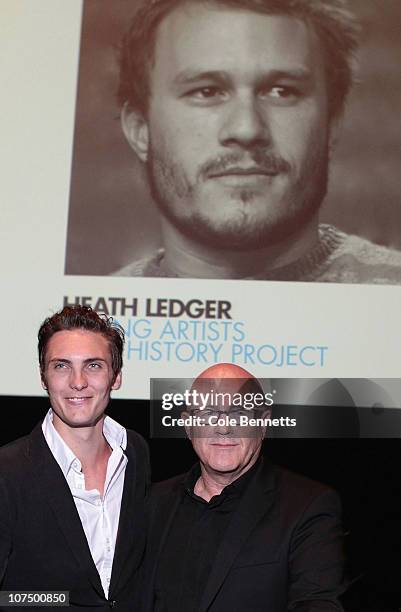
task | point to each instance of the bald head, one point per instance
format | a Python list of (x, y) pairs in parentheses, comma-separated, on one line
[(226, 370), (227, 379)]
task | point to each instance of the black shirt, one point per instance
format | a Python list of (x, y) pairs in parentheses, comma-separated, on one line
[(192, 542)]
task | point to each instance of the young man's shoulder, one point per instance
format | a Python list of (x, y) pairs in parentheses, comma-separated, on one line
[(135, 439), (13, 455), (140, 447)]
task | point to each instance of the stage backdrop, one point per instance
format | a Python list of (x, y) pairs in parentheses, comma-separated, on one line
[(69, 210)]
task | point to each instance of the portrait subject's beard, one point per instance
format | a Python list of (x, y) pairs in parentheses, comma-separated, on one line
[(241, 229)]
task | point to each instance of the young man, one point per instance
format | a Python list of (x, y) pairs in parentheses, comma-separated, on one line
[(72, 492), (236, 532), (231, 106)]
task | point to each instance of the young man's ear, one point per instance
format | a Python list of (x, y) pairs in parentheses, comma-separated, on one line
[(117, 382), (136, 131), (43, 380)]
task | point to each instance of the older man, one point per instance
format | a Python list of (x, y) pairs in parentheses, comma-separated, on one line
[(231, 105), (237, 533)]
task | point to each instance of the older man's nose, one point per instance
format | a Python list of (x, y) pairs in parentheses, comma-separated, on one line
[(223, 426)]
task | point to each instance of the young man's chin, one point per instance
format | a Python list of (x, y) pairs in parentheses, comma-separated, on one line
[(80, 421)]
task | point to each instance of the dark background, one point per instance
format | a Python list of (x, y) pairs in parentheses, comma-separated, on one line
[(366, 473), (112, 220)]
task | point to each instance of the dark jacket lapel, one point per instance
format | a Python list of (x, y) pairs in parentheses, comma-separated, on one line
[(56, 493), (255, 503), (128, 520)]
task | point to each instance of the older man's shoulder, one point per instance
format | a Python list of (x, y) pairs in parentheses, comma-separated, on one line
[(298, 487)]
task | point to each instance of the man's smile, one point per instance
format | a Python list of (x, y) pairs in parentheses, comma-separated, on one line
[(78, 400)]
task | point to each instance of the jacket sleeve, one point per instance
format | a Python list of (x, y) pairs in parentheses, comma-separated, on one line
[(316, 557), (5, 529)]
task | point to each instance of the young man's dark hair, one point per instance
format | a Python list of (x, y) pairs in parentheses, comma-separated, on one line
[(83, 317), (332, 21)]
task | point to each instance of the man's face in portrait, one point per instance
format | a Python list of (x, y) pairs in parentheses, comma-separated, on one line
[(237, 126), (78, 376)]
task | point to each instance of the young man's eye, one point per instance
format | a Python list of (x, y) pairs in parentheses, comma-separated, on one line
[(59, 366), (95, 365)]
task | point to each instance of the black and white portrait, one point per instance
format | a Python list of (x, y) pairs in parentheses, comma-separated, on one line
[(238, 139)]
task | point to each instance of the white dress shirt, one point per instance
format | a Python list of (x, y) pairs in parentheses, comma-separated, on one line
[(99, 515)]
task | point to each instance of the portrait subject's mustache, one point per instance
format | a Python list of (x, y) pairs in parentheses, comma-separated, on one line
[(255, 162)]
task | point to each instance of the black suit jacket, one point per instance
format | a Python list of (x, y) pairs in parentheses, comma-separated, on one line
[(43, 546), (281, 551)]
